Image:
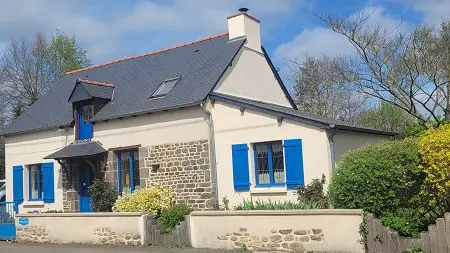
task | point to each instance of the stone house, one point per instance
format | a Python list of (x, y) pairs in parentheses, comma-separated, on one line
[(211, 118)]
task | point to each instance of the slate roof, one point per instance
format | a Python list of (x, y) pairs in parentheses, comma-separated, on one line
[(87, 89), (78, 149), (294, 114), (200, 63)]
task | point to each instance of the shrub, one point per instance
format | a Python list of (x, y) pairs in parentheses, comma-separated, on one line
[(152, 200), (273, 205), (406, 221), (103, 196), (377, 178), (313, 193), (171, 217), (414, 249), (435, 155)]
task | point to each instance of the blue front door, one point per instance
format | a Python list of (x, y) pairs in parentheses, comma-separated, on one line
[(85, 113), (86, 178)]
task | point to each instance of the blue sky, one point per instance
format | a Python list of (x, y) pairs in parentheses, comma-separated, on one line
[(113, 29)]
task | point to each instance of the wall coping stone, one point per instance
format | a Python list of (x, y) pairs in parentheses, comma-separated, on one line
[(357, 212), (110, 214)]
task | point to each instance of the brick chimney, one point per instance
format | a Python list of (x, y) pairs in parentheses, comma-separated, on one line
[(243, 24)]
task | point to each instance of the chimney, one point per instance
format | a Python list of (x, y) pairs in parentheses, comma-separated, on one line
[(243, 24)]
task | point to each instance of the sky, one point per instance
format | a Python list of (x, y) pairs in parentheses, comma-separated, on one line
[(290, 29)]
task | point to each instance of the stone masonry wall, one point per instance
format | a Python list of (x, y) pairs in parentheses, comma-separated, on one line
[(71, 201), (184, 166), (104, 235), (32, 233), (279, 240)]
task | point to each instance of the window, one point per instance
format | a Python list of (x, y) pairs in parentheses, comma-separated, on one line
[(269, 163), (165, 87), (87, 112), (128, 171), (36, 185)]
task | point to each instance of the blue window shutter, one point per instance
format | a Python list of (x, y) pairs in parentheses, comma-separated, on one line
[(241, 175), (48, 182), (293, 155), (17, 185)]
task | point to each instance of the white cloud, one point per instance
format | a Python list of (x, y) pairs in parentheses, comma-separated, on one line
[(434, 11), (107, 36), (317, 41)]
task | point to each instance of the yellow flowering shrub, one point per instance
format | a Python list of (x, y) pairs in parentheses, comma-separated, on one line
[(434, 148), (152, 200)]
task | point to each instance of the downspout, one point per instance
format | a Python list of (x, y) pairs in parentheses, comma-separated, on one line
[(331, 132), (212, 151)]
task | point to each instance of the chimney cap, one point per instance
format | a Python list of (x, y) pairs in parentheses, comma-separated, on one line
[(244, 10)]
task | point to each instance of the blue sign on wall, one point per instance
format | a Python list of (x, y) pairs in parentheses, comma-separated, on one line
[(23, 221)]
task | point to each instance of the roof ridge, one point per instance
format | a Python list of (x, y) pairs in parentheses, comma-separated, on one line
[(149, 53), (95, 82)]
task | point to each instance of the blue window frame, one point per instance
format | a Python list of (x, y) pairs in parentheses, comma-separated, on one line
[(269, 164), (35, 182), (128, 171)]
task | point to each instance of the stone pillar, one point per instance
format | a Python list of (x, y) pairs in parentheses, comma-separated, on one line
[(71, 198)]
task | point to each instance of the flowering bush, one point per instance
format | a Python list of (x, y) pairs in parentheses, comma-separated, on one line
[(435, 155), (152, 200)]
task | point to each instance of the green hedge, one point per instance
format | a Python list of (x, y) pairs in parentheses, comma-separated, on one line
[(378, 178)]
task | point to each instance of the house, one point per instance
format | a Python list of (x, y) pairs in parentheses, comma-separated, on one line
[(211, 118)]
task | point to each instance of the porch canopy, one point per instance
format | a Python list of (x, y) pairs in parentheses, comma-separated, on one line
[(78, 149)]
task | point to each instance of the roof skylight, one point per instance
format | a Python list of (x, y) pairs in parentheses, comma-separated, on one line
[(165, 87)]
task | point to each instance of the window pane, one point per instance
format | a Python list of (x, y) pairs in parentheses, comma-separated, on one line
[(136, 177), (262, 167), (125, 172), (278, 162), (165, 87), (88, 112), (36, 183)]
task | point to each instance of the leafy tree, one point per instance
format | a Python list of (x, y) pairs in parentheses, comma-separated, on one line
[(317, 92), (29, 69), (387, 117), (407, 68), (65, 54)]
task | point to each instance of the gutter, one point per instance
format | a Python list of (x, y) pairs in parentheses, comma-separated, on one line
[(212, 151)]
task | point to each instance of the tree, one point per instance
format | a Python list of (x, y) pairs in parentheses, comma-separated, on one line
[(407, 68), (66, 54), (317, 92), (387, 117), (29, 69), (2, 152)]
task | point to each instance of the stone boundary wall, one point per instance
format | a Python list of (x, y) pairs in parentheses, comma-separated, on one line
[(326, 230), (87, 228)]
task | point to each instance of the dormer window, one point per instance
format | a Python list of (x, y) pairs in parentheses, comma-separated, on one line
[(88, 98), (165, 87)]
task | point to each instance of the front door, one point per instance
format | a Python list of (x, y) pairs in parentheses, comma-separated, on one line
[(86, 179)]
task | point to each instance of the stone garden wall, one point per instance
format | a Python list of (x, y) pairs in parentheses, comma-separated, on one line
[(285, 230), (88, 228)]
